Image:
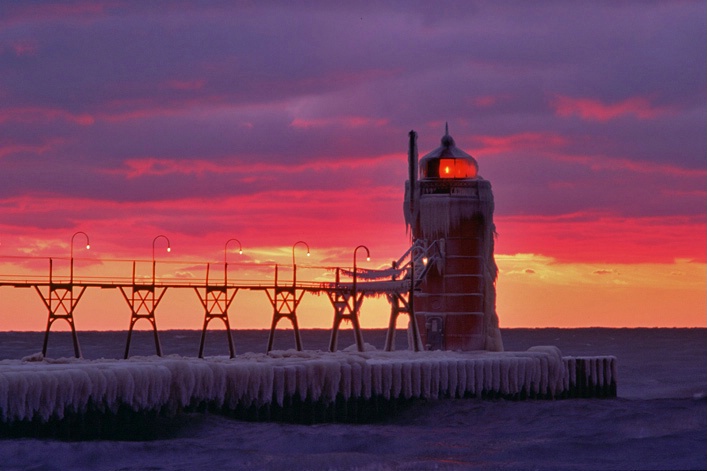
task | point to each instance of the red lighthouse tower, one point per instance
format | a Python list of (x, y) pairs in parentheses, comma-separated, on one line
[(450, 204)]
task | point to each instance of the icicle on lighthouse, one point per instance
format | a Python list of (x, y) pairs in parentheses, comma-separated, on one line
[(451, 206)]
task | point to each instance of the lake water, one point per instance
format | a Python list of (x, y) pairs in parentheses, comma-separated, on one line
[(658, 420)]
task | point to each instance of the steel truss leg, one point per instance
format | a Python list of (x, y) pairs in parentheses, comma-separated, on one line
[(399, 305), (143, 301), (60, 303), (346, 307), (284, 301), (216, 302)]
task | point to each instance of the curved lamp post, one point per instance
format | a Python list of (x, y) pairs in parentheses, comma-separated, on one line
[(169, 249), (88, 246), (225, 257), (294, 266), (368, 259)]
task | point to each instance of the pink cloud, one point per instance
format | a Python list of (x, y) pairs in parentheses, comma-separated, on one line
[(186, 85), (342, 121), (152, 166), (197, 226), (485, 101), (601, 163), (135, 168), (11, 149), (521, 141), (594, 110), (25, 48), (589, 237), (36, 115), (80, 8)]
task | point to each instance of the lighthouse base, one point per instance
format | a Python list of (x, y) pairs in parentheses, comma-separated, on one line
[(456, 331)]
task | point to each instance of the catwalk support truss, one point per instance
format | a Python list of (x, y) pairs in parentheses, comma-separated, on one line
[(143, 296)]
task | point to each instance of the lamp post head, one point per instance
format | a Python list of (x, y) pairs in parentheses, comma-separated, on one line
[(293, 249), (368, 259), (88, 243), (225, 249), (169, 245), (240, 246), (368, 253)]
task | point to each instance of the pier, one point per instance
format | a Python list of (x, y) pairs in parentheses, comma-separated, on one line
[(287, 385)]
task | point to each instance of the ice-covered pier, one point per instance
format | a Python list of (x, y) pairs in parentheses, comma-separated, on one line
[(289, 385)]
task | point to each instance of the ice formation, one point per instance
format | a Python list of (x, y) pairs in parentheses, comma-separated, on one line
[(44, 389)]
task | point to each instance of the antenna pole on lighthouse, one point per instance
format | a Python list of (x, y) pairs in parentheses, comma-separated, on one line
[(412, 178)]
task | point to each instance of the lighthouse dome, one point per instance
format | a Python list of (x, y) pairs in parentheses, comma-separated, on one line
[(448, 161)]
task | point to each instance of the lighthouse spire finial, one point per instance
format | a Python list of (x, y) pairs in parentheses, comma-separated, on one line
[(446, 128)]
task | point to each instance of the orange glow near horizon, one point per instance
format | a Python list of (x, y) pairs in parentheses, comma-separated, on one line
[(537, 291)]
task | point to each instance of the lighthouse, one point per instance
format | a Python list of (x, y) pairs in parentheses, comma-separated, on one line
[(450, 206)]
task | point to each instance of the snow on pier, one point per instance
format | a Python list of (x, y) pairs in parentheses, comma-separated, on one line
[(39, 390)]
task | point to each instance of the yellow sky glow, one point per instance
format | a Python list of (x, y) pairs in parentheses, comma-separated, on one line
[(532, 291)]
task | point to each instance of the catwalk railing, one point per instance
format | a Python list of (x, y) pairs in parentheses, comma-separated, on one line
[(61, 293)]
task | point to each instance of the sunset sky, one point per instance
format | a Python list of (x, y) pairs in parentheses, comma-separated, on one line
[(275, 122)]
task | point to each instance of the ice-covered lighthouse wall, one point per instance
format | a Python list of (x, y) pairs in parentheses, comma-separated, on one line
[(453, 205)]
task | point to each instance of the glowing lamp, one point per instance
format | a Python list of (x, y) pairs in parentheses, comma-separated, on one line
[(448, 162), (455, 168)]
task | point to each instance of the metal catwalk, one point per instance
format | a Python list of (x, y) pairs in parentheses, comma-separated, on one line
[(61, 295)]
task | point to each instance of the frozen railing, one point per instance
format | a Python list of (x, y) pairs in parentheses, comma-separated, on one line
[(190, 274), (413, 264), (452, 187), (422, 255)]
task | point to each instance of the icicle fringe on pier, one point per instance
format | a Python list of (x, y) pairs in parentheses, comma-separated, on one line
[(50, 389)]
